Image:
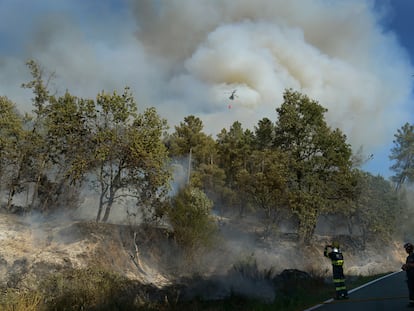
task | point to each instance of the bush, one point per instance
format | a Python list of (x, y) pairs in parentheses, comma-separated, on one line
[(190, 217)]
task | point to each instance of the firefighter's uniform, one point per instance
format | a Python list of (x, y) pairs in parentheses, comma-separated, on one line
[(337, 260), (409, 269)]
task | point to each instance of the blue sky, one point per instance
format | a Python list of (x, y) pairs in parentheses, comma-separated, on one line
[(355, 57), (399, 19)]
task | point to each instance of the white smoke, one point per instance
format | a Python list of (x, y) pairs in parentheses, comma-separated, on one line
[(186, 57)]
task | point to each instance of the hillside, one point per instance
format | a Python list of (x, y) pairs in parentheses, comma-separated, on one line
[(34, 248), (31, 248)]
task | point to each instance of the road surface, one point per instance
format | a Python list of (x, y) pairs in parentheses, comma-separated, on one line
[(387, 293)]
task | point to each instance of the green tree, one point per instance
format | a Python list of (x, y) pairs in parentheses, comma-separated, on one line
[(403, 155), (32, 161), (190, 141), (265, 184), (264, 134), (69, 121), (69, 146), (11, 136), (187, 135), (55, 138), (37, 155), (377, 208), (148, 164), (39, 87), (212, 180), (234, 148), (191, 219), (319, 160), (129, 157)]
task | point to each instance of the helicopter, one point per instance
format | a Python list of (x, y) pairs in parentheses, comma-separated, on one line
[(233, 95)]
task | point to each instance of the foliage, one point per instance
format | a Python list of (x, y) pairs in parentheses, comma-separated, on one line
[(234, 147), (264, 134), (30, 148), (211, 178), (128, 157), (188, 137), (149, 173), (377, 207), (51, 154), (10, 126), (66, 137), (68, 134), (42, 160), (403, 222), (403, 155), (37, 159), (265, 183), (190, 217), (319, 160), (11, 135)]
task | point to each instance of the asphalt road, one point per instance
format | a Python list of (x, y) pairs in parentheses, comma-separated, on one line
[(387, 293)]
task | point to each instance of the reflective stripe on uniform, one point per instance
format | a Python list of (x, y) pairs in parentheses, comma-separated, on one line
[(338, 262)]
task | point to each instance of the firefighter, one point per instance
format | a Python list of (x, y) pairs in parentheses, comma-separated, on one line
[(334, 253), (408, 267)]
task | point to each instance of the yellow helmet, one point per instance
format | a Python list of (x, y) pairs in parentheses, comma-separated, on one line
[(335, 244)]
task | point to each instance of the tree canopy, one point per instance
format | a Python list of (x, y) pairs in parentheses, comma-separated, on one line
[(403, 155)]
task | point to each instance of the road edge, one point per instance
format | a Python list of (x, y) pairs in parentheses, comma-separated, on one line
[(353, 290)]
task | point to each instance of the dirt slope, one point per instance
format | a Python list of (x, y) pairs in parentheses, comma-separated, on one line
[(32, 248)]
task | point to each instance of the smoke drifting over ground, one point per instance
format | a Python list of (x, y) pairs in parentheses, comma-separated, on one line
[(185, 58)]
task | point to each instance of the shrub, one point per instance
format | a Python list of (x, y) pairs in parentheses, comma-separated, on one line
[(190, 217)]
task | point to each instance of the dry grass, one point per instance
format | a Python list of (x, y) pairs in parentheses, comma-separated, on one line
[(12, 300)]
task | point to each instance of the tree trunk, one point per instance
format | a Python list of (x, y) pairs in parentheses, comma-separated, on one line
[(10, 197), (306, 231), (109, 204), (350, 226), (189, 166), (100, 208), (14, 184), (107, 212), (37, 184)]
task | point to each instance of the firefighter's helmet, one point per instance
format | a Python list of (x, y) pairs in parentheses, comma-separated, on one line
[(408, 247)]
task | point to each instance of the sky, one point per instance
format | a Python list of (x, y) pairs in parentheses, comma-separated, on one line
[(354, 57)]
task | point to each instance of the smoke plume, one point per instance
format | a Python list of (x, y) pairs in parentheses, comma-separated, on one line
[(186, 57)]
